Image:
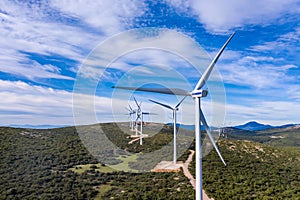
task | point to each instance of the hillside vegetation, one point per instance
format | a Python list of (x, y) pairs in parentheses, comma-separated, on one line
[(54, 164), (253, 171), (41, 164), (109, 143), (275, 137)]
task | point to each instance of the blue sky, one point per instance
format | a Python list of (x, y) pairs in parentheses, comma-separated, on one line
[(44, 43)]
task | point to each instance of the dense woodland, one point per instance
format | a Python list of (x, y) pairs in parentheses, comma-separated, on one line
[(253, 171), (36, 164)]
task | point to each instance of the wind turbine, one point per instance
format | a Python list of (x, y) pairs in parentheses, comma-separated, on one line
[(196, 94), (139, 116), (174, 109), (131, 113)]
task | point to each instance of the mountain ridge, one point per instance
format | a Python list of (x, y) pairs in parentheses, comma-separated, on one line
[(256, 126), (249, 126)]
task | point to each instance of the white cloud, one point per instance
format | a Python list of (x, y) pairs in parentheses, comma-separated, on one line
[(35, 105), (227, 55), (286, 42), (26, 29), (18, 64), (219, 15), (268, 112), (294, 93), (71, 29), (153, 49), (46, 28), (109, 15), (260, 72), (23, 103), (26, 104)]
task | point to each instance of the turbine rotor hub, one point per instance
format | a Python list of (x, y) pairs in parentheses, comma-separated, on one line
[(199, 93)]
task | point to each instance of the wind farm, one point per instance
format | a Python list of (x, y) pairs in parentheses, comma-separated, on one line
[(197, 93), (131, 113), (149, 99), (247, 155), (132, 148), (136, 124), (139, 150)]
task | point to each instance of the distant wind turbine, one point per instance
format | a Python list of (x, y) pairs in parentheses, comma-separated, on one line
[(174, 109), (139, 116), (196, 94), (131, 116)]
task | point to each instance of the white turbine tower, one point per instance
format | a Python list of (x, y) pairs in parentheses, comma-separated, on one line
[(174, 109), (139, 116), (196, 94), (131, 116)]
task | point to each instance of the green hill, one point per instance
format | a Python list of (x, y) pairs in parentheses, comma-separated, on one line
[(42, 164), (54, 164), (253, 171), (289, 136)]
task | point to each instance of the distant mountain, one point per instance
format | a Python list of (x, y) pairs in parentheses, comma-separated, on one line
[(254, 126), (184, 126), (288, 126), (45, 126), (189, 127)]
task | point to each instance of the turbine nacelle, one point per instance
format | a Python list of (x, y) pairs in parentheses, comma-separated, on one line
[(199, 93)]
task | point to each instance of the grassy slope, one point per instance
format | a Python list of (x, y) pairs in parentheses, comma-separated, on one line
[(98, 168)]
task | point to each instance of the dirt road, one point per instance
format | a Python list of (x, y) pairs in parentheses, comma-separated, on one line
[(187, 173)]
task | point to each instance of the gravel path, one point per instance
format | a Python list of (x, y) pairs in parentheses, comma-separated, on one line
[(187, 173)]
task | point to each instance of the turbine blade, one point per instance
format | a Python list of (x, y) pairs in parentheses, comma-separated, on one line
[(136, 103), (137, 118), (207, 72), (202, 118), (173, 91), (164, 105), (180, 102), (130, 108)]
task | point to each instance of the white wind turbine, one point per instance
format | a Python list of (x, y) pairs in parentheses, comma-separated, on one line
[(131, 116), (139, 116), (174, 109), (196, 94)]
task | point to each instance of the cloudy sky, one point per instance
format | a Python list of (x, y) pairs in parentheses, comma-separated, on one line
[(43, 45)]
